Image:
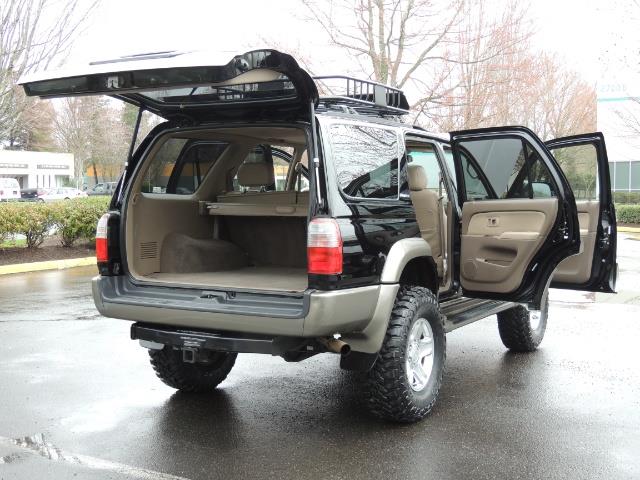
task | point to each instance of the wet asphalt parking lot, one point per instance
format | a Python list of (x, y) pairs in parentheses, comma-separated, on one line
[(78, 399)]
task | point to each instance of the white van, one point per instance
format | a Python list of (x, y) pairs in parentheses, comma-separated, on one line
[(9, 189)]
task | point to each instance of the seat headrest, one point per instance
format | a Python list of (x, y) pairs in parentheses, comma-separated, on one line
[(417, 178), (255, 175)]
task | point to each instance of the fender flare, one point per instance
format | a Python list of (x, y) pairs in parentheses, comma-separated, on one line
[(369, 340), (401, 253)]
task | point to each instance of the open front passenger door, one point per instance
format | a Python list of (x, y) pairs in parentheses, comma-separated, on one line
[(519, 217), (583, 158)]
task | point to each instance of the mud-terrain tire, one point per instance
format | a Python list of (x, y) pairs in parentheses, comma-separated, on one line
[(520, 330), (389, 392), (191, 377)]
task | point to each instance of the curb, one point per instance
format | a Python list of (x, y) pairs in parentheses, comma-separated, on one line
[(629, 229), (47, 265)]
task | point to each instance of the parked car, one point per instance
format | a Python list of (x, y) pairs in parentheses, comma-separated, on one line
[(9, 189), (401, 237), (60, 193), (106, 188), (31, 194)]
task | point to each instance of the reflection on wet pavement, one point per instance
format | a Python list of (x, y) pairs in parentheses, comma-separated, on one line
[(41, 447), (565, 411)]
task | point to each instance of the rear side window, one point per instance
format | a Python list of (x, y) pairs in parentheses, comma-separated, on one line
[(366, 160), (580, 165), (180, 166), (277, 158), (504, 168)]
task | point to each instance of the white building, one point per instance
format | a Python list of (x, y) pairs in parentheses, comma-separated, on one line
[(36, 169), (619, 120)]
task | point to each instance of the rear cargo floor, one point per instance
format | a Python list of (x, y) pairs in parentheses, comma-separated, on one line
[(254, 278)]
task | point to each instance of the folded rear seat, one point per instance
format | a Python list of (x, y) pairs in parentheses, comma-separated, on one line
[(256, 176), (289, 197)]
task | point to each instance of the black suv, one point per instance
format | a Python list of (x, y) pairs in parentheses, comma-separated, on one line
[(262, 217)]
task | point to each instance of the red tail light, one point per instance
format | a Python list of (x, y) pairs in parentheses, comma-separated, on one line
[(102, 249), (324, 247)]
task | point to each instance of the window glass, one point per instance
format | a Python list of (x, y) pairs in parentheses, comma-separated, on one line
[(179, 166), (279, 88), (580, 165), (612, 173), (475, 188), (425, 156), (512, 169), (282, 156), (534, 182), (301, 179), (448, 159), (276, 157), (622, 176), (635, 175), (366, 160)]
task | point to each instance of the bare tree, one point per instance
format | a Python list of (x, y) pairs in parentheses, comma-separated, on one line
[(629, 115), (519, 86), (414, 44), (92, 129), (32, 129), (34, 34)]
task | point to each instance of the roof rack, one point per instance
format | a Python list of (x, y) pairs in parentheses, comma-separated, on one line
[(352, 95)]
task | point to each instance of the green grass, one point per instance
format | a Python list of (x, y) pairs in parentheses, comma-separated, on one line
[(20, 242)]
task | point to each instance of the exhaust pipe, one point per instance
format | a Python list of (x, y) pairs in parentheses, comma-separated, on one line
[(335, 345)]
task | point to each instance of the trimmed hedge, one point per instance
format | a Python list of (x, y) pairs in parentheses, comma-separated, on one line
[(628, 213), (626, 197), (71, 219)]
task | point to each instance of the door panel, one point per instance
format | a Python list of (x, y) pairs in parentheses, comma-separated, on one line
[(519, 217), (577, 268), (584, 159), (499, 240)]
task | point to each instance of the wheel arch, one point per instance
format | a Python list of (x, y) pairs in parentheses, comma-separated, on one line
[(410, 262)]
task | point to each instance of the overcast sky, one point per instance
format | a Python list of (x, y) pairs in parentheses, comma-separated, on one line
[(598, 39)]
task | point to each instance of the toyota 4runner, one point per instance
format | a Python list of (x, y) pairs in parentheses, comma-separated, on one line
[(263, 217)]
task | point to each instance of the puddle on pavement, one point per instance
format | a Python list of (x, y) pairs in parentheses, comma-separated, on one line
[(106, 415)]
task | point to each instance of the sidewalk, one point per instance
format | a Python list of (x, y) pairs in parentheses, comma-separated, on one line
[(46, 265)]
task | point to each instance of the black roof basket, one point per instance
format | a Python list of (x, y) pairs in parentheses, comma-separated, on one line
[(352, 95)]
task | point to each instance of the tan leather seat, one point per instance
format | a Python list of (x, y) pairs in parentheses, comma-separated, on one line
[(427, 207), (254, 176)]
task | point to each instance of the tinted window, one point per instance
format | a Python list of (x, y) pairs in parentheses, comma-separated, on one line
[(474, 185), (580, 165), (179, 166), (511, 168), (366, 160)]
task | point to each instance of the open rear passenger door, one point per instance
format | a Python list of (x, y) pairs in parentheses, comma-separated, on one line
[(583, 158), (519, 218)]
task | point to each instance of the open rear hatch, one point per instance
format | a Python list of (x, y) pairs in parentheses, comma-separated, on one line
[(212, 210), (196, 85)]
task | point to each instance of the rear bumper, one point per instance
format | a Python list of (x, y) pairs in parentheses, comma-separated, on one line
[(311, 314)]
